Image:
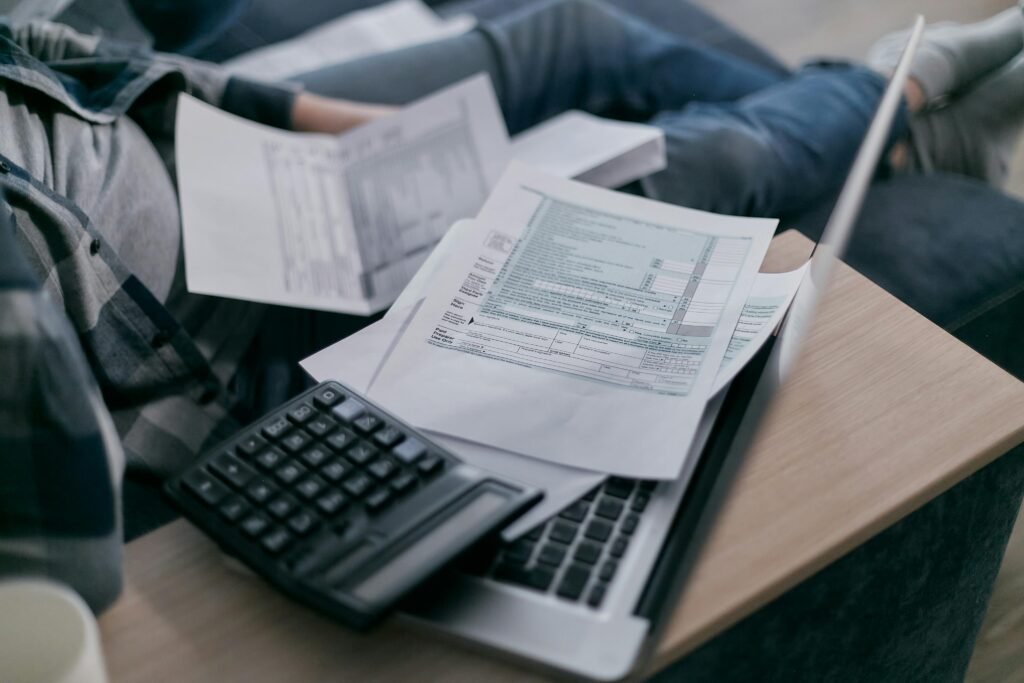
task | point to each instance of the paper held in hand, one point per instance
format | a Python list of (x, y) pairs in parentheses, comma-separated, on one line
[(342, 223), (576, 325), (325, 222)]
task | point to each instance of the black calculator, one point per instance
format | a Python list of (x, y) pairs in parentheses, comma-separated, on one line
[(341, 505)]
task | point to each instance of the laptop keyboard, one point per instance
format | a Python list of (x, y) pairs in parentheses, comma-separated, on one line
[(576, 554)]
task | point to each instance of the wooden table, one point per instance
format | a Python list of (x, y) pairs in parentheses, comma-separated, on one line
[(884, 412)]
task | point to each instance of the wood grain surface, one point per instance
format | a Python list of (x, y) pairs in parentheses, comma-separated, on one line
[(885, 411)]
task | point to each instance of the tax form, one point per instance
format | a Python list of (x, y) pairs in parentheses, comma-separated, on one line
[(338, 223), (762, 312), (356, 360), (389, 26), (576, 325)]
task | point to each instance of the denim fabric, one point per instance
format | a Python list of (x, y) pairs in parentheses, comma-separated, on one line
[(741, 139)]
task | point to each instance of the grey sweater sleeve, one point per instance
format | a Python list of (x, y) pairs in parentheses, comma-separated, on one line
[(60, 457)]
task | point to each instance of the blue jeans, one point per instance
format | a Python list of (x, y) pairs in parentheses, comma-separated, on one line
[(741, 139)]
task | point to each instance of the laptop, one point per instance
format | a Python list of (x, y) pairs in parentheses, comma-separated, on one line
[(589, 592)]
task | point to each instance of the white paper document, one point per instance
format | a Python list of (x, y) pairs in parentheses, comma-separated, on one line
[(576, 325), (591, 149), (338, 223), (355, 360), (390, 26), (764, 309)]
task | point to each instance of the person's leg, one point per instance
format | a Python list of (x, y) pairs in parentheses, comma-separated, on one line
[(567, 54), (774, 152), (265, 22)]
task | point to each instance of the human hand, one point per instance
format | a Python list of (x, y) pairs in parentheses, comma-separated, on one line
[(316, 114)]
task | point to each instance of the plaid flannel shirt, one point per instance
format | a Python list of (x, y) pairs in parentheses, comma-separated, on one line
[(93, 324)]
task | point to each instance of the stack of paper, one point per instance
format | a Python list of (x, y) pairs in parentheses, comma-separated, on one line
[(550, 357), (341, 223), (390, 26)]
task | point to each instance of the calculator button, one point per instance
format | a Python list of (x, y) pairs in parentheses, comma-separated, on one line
[(296, 441), (282, 506), (430, 465), (341, 440), (388, 437), (321, 426), (409, 451), (255, 524), (260, 491), (310, 487), (367, 423), (276, 428), (349, 410), (270, 458), (233, 508), (231, 469), (251, 445), (314, 456), (383, 468), (327, 397), (301, 413), (289, 472), (403, 483), (331, 503), (361, 453), (335, 470), (205, 487), (378, 500), (357, 484), (302, 523), (277, 540)]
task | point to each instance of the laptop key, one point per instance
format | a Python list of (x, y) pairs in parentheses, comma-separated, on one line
[(552, 554), (587, 552), (574, 581), (596, 596), (640, 502), (598, 530), (630, 523), (519, 552), (576, 512), (564, 532), (619, 546), (607, 570), (619, 487), (609, 508)]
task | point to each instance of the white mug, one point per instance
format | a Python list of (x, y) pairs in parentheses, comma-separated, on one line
[(47, 635)]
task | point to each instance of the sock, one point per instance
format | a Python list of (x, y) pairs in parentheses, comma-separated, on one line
[(977, 132), (952, 56)]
